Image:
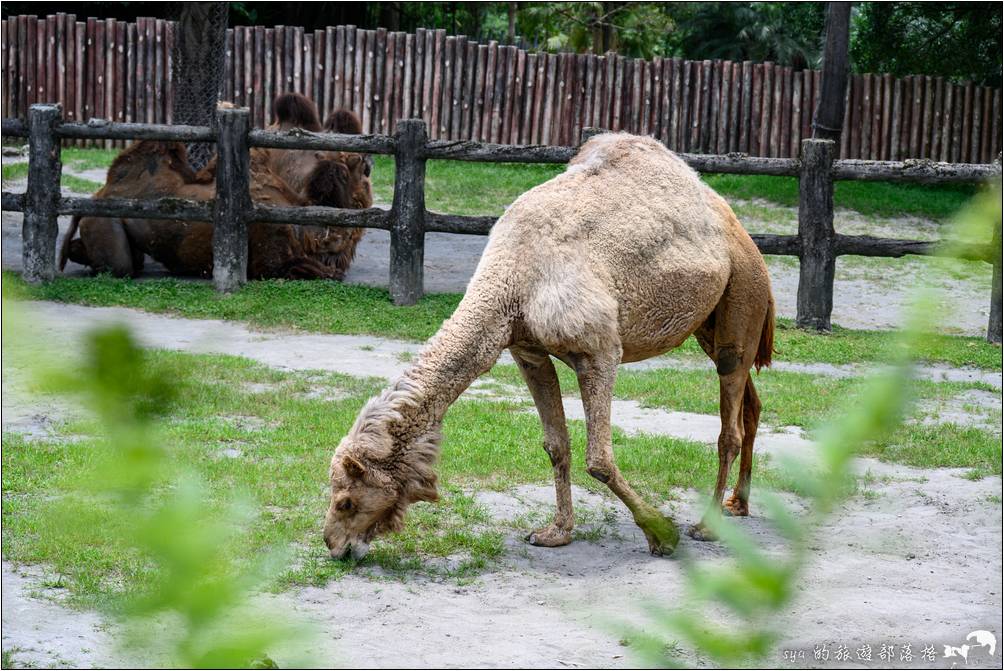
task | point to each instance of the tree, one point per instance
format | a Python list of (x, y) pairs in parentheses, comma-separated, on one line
[(959, 40), (789, 33), (197, 70)]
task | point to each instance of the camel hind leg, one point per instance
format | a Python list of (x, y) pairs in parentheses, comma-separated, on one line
[(731, 337), (739, 503)]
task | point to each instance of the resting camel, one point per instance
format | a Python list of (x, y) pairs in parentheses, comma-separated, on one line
[(618, 259), (152, 170), (155, 169), (296, 111)]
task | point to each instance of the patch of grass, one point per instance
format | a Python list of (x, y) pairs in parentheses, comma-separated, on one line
[(807, 401), (325, 307), (275, 444), (15, 171), (331, 307), (79, 184), (874, 198), (86, 158)]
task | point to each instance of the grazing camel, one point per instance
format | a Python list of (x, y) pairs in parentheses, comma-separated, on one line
[(618, 259)]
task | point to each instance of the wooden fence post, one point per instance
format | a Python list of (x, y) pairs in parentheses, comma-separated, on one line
[(994, 323), (407, 233), (233, 199), (817, 260), (40, 228)]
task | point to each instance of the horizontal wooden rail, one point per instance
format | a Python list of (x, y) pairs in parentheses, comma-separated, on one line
[(99, 129), (303, 139), (14, 128), (866, 245), (469, 150), (373, 217), (176, 209), (742, 164), (917, 171)]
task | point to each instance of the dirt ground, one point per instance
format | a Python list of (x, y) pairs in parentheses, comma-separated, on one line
[(915, 561)]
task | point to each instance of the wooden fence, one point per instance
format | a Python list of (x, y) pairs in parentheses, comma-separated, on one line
[(817, 244), (495, 93)]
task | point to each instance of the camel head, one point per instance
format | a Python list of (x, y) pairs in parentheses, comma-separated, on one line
[(376, 473), (340, 179)]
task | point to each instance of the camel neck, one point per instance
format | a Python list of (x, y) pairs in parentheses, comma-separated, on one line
[(466, 345)]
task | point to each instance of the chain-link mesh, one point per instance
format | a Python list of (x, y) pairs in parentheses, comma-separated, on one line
[(198, 67)]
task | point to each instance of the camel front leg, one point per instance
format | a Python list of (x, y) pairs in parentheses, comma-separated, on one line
[(542, 380), (596, 382)]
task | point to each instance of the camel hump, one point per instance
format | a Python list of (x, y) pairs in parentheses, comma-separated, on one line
[(293, 110), (343, 121)]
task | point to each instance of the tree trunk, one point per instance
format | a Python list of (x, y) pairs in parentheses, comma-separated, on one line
[(829, 118), (510, 35), (199, 52)]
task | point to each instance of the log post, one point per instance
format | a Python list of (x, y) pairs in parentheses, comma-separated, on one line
[(817, 257), (40, 228), (829, 117), (994, 323), (233, 199), (407, 233)]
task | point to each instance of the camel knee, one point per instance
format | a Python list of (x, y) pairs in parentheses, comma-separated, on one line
[(600, 468)]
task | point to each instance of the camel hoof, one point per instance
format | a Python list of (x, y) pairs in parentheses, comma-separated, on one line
[(662, 535), (550, 537), (736, 507), (699, 532)]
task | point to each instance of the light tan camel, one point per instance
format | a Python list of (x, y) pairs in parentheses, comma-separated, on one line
[(620, 258)]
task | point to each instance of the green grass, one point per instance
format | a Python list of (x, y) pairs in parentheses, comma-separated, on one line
[(808, 401), (461, 187), (79, 184), (16, 171), (330, 307), (248, 428)]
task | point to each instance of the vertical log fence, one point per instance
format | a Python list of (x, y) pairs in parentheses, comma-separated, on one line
[(494, 93), (817, 244)]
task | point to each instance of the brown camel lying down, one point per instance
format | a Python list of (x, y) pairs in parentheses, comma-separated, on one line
[(620, 258), (295, 111), (155, 169)]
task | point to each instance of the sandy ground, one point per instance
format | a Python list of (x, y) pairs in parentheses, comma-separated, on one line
[(868, 293), (918, 560)]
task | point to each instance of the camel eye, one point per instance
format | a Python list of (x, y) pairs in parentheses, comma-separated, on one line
[(345, 504)]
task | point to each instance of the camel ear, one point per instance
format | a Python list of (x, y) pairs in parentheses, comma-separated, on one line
[(352, 467), (425, 494)]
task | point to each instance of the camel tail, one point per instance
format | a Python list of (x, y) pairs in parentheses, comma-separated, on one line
[(64, 249), (765, 349)]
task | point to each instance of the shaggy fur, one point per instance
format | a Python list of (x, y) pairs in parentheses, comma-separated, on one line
[(344, 121), (620, 258), (152, 169), (293, 110)]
